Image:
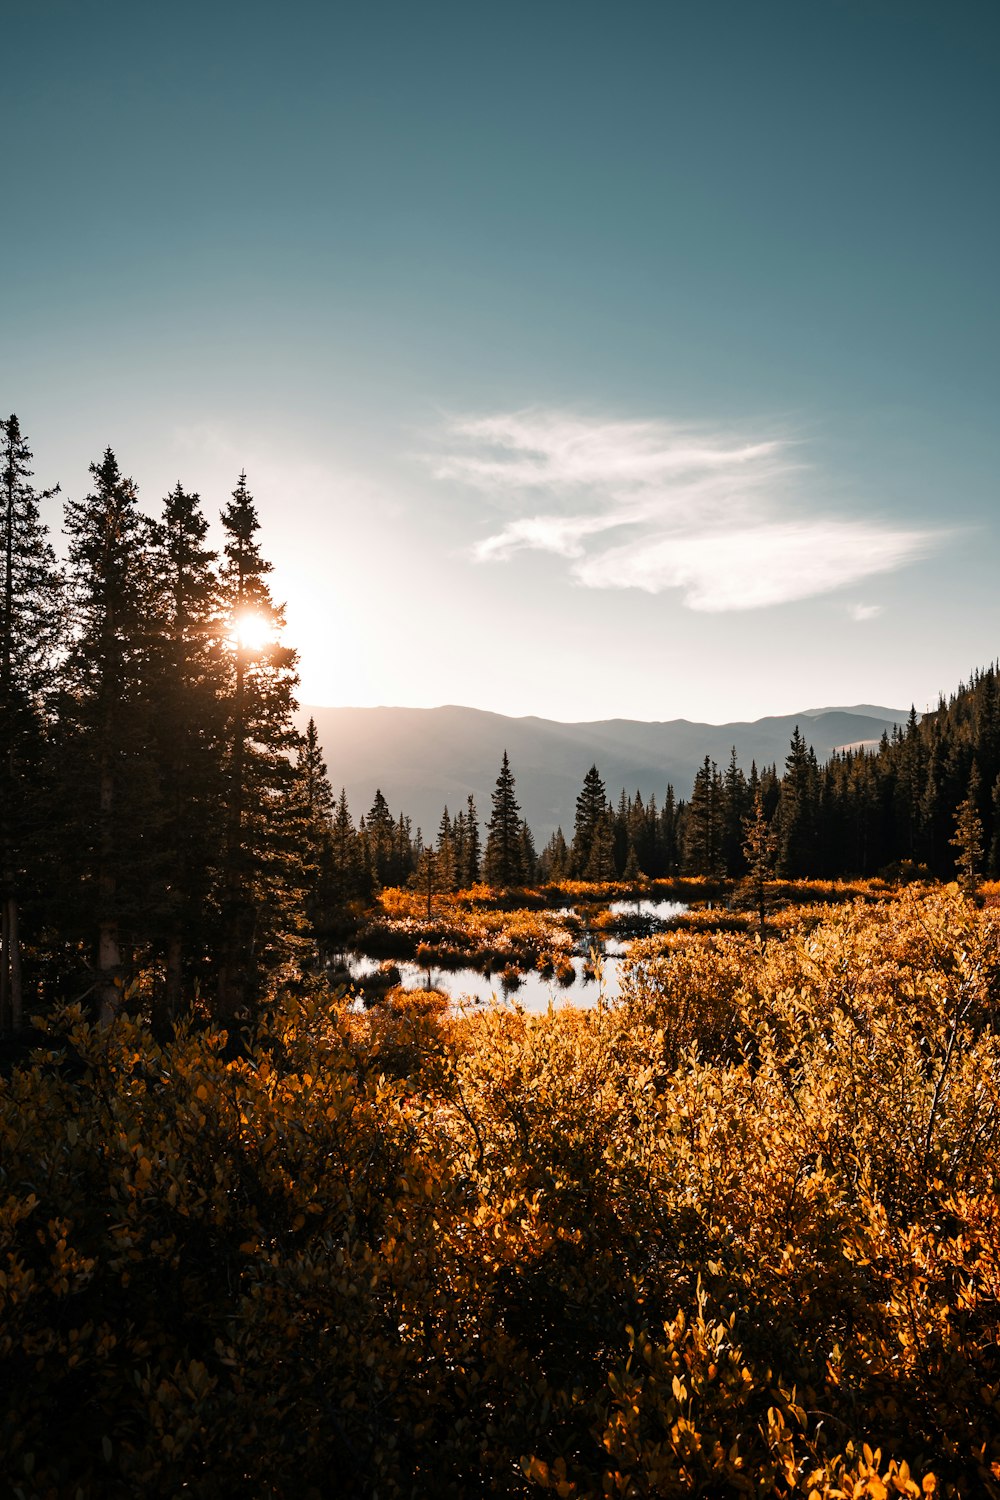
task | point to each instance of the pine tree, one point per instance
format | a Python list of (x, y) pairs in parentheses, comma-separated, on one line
[(590, 806), (621, 832), (446, 861), (554, 862), (642, 834), (188, 723), (702, 842), (348, 868), (797, 812), (995, 843), (968, 839), (529, 858), (29, 632), (312, 810), (260, 903), (735, 806), (425, 877), (472, 867), (667, 859), (600, 866), (380, 838), (402, 863), (759, 850), (110, 814), (502, 861)]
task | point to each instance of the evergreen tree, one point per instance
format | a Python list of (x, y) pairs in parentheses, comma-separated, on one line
[(260, 900), (472, 868), (402, 862), (425, 877), (621, 832), (529, 858), (446, 856), (590, 805), (735, 806), (502, 861), (759, 848), (30, 619), (968, 839), (703, 825), (348, 863), (668, 834), (554, 861), (188, 723), (601, 860), (312, 809), (796, 824), (642, 834), (110, 813), (380, 840)]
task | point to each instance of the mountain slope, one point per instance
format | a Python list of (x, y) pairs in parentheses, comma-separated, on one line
[(426, 758)]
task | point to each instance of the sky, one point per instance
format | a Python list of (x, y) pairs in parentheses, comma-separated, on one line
[(585, 360)]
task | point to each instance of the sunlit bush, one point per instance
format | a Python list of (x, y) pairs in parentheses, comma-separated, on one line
[(736, 1234)]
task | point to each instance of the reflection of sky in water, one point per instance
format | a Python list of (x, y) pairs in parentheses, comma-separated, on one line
[(535, 991), (659, 911)]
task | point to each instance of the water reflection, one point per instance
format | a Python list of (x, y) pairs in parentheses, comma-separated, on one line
[(532, 990)]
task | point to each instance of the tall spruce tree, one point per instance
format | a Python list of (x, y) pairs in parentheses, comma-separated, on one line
[(759, 848), (590, 807), (968, 839), (797, 811), (703, 824), (502, 861), (110, 812), (188, 722), (380, 839), (472, 865), (30, 619), (259, 898), (312, 812)]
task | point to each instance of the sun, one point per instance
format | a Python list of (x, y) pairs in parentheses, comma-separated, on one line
[(252, 632)]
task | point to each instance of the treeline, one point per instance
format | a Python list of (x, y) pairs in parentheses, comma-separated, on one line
[(925, 801)]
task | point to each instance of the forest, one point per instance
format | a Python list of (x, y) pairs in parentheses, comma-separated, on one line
[(734, 1233)]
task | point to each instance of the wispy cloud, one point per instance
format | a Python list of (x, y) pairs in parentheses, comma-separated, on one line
[(727, 519), (862, 612)]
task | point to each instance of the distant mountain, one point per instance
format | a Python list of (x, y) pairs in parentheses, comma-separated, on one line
[(426, 758)]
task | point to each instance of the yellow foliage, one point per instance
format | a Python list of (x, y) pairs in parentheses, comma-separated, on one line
[(735, 1234)]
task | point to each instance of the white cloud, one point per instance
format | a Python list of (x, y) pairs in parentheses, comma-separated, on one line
[(718, 515), (862, 612), (752, 567)]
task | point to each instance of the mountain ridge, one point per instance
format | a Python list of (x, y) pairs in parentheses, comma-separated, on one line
[(423, 759)]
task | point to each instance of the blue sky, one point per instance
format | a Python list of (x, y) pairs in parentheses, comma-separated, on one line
[(585, 360)]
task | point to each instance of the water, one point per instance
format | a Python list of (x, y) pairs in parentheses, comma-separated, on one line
[(535, 992), (651, 911)]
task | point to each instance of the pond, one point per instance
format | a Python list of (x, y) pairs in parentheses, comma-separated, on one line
[(650, 911), (533, 991)]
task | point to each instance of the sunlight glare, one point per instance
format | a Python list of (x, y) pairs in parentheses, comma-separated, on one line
[(252, 631)]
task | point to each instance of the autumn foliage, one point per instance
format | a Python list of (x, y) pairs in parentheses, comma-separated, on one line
[(736, 1234)]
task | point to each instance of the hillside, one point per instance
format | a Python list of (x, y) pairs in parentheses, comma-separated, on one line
[(426, 758)]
